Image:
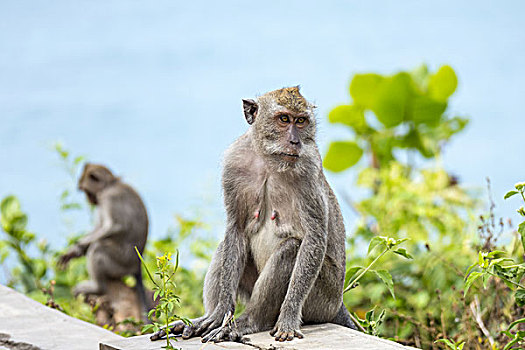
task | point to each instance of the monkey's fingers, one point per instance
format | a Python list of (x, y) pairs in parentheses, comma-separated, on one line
[(207, 326), (178, 328), (175, 329), (188, 331), (156, 336), (283, 335), (217, 335)]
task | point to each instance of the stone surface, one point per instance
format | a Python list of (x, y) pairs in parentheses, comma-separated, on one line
[(323, 336), (29, 325)]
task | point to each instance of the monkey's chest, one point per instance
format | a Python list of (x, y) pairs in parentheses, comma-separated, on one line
[(271, 226)]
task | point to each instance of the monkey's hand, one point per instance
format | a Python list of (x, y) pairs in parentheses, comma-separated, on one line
[(286, 329), (73, 252), (214, 321)]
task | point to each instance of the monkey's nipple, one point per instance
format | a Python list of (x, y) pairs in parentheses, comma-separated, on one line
[(274, 215), (256, 214)]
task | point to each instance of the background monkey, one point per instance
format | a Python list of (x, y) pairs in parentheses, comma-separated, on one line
[(122, 224), (283, 251)]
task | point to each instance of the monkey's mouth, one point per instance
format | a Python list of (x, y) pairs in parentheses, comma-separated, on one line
[(290, 156)]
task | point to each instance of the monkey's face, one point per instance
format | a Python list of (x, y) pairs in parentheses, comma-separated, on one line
[(289, 131), (284, 127), (94, 179)]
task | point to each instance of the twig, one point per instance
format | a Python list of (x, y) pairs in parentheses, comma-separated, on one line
[(476, 312), (351, 285), (356, 322)]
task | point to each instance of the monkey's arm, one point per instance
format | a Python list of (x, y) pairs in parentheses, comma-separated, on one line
[(306, 269), (233, 261), (107, 226)]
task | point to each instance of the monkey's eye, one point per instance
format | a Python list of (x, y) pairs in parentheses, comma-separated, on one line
[(284, 118), (94, 178), (300, 120)]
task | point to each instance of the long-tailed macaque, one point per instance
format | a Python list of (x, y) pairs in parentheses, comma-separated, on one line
[(122, 225), (283, 251)]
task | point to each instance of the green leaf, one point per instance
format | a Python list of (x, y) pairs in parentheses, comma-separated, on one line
[(470, 279), (391, 103), (521, 320), (374, 242), (424, 110), (510, 194), (496, 253), (403, 252), (352, 116), (519, 296), (386, 277), (443, 83), (521, 231), (351, 273), (447, 342), (147, 328), (364, 87), (369, 316), (342, 155)]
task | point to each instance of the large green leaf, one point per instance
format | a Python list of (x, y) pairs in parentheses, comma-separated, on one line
[(352, 116), (342, 155), (392, 97), (364, 87), (443, 83), (425, 110)]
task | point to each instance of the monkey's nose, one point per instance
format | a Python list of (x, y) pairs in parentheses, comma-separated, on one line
[(294, 142)]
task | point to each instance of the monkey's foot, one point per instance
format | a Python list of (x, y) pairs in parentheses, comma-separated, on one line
[(176, 329), (87, 288), (282, 333)]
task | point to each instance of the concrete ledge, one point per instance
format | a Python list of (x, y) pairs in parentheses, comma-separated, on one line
[(29, 325), (323, 336)]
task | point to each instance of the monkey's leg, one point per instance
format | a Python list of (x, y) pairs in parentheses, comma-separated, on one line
[(97, 264), (268, 294), (325, 300), (105, 262)]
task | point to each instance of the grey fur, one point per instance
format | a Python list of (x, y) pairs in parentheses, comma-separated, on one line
[(122, 224), (283, 251)]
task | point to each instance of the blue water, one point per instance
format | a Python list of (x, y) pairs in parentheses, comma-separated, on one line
[(154, 88)]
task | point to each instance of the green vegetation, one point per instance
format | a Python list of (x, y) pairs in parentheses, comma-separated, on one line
[(437, 274), (164, 295), (396, 122)]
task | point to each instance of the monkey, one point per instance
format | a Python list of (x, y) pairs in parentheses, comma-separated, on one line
[(283, 252), (121, 226)]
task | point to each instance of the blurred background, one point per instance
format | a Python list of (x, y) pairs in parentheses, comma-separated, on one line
[(153, 89)]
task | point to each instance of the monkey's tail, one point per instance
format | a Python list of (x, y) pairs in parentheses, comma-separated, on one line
[(141, 292)]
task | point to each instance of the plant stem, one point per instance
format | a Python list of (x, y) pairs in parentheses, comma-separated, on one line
[(166, 312), (365, 270)]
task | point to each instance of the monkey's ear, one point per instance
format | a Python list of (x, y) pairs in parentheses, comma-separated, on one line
[(250, 110)]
